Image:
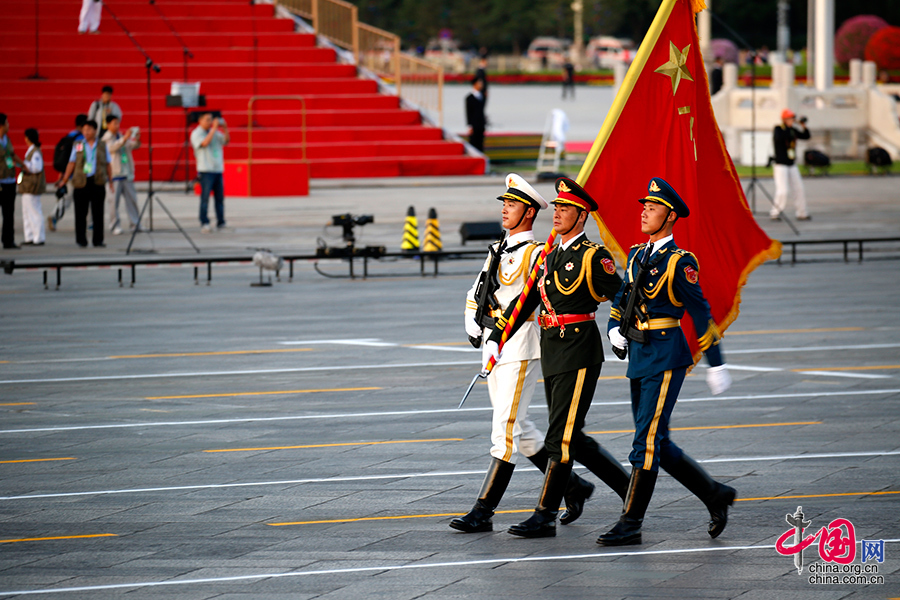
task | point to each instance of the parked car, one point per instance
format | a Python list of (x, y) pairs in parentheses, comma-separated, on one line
[(446, 53), (605, 51), (550, 52)]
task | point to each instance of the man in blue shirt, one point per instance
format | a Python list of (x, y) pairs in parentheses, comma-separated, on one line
[(8, 162), (89, 169)]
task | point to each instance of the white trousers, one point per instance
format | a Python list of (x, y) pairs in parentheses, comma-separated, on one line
[(787, 180), (33, 218), (89, 19), (511, 386)]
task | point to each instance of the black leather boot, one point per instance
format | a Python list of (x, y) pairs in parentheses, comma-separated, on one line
[(716, 496), (540, 459), (628, 530), (495, 482), (577, 491), (602, 464), (543, 522)]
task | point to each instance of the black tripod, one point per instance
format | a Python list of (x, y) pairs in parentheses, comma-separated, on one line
[(148, 203), (185, 55), (754, 181)]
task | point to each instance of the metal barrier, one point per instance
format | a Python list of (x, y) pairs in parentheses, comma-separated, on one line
[(250, 104), (422, 83), (418, 81), (845, 242), (379, 52), (132, 262), (435, 258)]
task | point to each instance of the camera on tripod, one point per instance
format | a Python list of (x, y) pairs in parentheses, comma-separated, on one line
[(348, 222)]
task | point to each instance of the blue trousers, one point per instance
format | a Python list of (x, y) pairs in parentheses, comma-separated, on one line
[(652, 401), (212, 182)]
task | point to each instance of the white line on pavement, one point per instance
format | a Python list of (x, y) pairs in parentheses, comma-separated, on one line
[(598, 554), (351, 570), (376, 342), (841, 374), (180, 488), (397, 413)]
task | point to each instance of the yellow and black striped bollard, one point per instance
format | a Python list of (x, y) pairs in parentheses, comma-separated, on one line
[(410, 241), (432, 241)]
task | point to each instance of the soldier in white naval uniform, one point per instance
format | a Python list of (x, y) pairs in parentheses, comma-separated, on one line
[(512, 381)]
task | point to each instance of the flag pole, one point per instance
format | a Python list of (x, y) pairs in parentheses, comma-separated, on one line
[(532, 277)]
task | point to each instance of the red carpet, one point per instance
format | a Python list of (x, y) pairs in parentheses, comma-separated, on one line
[(239, 51)]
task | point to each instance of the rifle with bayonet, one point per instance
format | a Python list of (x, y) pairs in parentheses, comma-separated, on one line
[(484, 293), (632, 299)]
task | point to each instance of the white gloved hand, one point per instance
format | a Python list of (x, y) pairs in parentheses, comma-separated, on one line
[(491, 349), (718, 379), (617, 339), (472, 328)]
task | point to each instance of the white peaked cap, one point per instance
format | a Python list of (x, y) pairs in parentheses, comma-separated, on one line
[(520, 190)]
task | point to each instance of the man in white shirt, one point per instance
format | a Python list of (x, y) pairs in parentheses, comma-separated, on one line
[(512, 381)]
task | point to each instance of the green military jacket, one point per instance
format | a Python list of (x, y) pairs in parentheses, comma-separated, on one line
[(575, 282), (79, 179)]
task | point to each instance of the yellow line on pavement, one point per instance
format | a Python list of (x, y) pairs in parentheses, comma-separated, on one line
[(229, 394), (863, 368), (27, 460), (399, 517), (59, 537), (715, 427), (814, 330), (528, 510), (816, 496), (335, 445), (17, 404), (223, 353)]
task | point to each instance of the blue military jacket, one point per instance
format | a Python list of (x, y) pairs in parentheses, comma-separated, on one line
[(671, 286)]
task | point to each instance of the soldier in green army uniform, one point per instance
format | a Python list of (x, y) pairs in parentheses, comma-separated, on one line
[(577, 276)]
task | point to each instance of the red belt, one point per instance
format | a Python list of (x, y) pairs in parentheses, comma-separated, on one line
[(546, 321)]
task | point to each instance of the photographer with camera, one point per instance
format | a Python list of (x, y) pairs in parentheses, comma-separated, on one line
[(785, 171), (208, 140)]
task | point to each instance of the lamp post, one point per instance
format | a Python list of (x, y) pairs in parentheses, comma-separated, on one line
[(578, 46)]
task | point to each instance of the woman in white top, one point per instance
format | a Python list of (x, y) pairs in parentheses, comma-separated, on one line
[(32, 185)]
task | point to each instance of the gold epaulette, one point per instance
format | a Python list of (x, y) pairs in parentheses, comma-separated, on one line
[(591, 244), (638, 246)]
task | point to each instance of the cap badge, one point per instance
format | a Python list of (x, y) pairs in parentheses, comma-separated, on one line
[(511, 183), (653, 186), (569, 266), (563, 187)]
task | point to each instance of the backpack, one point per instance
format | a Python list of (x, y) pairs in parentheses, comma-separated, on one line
[(815, 158), (61, 153), (879, 157)]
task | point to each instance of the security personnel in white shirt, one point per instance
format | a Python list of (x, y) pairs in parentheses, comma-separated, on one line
[(512, 381)]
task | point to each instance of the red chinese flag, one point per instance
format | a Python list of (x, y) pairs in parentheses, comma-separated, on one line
[(661, 124)]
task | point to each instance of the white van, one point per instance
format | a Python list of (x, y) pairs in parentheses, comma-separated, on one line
[(605, 51), (550, 52)]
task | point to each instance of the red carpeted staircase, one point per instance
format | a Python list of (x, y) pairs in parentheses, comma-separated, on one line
[(239, 51)]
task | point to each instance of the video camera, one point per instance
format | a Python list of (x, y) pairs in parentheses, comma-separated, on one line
[(348, 221)]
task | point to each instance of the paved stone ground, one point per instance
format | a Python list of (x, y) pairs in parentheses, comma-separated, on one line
[(302, 441)]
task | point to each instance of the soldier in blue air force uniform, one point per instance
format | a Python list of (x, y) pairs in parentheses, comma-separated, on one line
[(668, 285)]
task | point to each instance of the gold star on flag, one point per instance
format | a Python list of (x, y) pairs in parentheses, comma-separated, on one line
[(675, 67)]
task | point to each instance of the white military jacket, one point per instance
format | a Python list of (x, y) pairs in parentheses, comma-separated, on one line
[(512, 274)]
